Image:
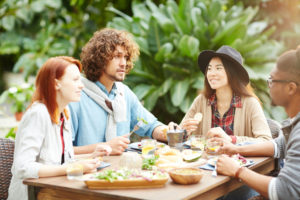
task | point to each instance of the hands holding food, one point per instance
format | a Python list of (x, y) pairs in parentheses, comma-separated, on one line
[(228, 148), (118, 144), (191, 125), (101, 150), (218, 132)]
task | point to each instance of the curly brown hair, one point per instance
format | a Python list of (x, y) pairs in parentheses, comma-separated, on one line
[(100, 49)]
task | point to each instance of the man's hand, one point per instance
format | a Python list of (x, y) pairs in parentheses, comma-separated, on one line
[(218, 132), (227, 166), (227, 147), (119, 144), (160, 133)]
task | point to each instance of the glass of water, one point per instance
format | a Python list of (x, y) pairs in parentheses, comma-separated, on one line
[(74, 170)]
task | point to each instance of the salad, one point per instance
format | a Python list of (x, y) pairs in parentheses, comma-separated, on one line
[(112, 175)]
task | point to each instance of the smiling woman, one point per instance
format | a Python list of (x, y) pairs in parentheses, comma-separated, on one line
[(44, 138), (231, 111)]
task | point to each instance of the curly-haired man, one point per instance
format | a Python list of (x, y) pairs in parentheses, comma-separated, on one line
[(108, 109)]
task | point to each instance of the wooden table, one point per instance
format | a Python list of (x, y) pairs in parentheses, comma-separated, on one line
[(208, 188)]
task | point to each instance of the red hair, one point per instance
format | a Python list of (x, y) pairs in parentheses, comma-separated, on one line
[(53, 68)]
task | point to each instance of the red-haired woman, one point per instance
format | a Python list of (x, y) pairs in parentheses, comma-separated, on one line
[(44, 138), (229, 108)]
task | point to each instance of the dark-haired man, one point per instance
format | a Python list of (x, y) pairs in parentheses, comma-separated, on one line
[(284, 84), (108, 109)]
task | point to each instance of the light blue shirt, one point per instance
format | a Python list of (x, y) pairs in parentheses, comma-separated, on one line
[(89, 118)]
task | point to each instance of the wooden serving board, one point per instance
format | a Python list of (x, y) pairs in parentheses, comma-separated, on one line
[(122, 184)]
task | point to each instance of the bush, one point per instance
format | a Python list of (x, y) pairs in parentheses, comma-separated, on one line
[(166, 77)]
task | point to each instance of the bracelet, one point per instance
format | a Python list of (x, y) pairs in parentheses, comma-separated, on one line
[(237, 173)]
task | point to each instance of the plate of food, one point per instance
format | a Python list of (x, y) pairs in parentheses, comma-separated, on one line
[(138, 145), (126, 178), (241, 160)]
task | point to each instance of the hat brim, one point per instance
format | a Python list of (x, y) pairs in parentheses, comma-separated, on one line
[(205, 56)]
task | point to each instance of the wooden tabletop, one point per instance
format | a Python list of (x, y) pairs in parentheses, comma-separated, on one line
[(208, 188)]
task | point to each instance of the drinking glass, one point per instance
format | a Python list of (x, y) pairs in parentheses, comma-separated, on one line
[(176, 138), (212, 147), (74, 170), (198, 142), (148, 146)]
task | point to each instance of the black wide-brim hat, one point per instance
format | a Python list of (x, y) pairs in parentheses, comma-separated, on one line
[(227, 53)]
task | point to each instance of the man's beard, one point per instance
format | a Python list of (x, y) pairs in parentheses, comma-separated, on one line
[(115, 78)]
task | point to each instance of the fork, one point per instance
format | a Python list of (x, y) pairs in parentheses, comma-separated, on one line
[(136, 127)]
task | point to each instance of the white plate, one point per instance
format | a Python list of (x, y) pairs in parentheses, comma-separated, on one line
[(213, 162), (138, 145)]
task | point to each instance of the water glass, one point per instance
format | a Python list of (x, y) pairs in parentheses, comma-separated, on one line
[(148, 146), (212, 147), (74, 170), (198, 142)]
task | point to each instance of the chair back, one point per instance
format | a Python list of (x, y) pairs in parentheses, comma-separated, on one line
[(7, 147)]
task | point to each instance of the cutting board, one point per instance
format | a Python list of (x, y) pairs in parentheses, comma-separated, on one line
[(124, 184)]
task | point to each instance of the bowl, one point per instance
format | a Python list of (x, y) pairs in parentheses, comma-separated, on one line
[(186, 176)]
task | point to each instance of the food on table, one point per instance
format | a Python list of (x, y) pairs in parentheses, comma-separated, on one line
[(198, 116), (198, 142), (148, 145), (241, 160), (112, 175), (190, 155), (131, 160), (147, 148), (126, 178), (167, 151), (186, 175), (149, 163)]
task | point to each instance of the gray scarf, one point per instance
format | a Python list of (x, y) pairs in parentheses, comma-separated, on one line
[(117, 112)]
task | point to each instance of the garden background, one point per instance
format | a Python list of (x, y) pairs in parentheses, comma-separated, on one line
[(170, 34)]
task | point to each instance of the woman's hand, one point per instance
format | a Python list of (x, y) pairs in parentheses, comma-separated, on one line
[(90, 165), (218, 132), (190, 125), (101, 150), (227, 166)]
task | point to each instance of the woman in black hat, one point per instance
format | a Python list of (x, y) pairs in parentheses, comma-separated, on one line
[(229, 107)]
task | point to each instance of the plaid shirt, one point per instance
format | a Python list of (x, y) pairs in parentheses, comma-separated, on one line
[(226, 122)]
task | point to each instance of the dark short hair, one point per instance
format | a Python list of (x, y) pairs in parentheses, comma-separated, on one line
[(237, 86), (290, 62), (100, 49)]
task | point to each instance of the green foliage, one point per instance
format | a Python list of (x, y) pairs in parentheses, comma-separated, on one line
[(18, 96), (38, 29), (166, 77), (11, 133)]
